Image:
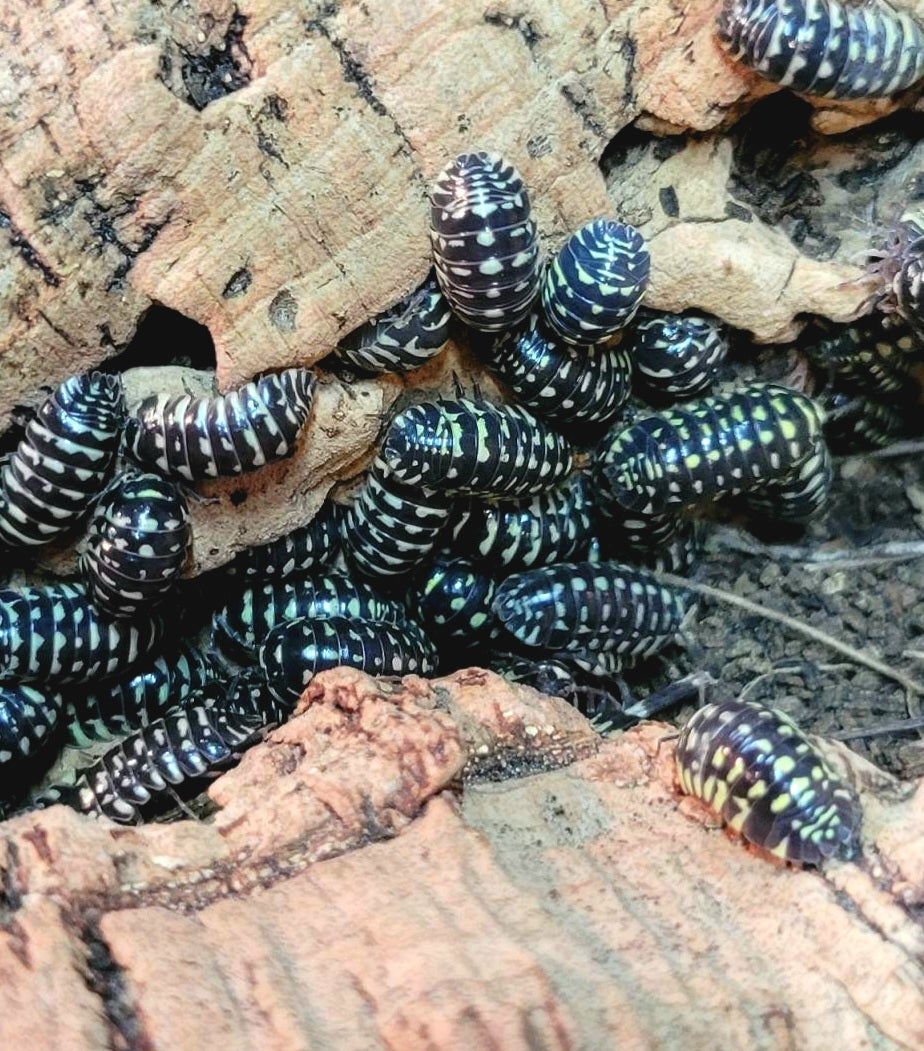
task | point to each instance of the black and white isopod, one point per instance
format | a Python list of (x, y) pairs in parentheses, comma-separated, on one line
[(485, 246), (294, 652), (228, 434), (190, 740), (475, 448), (55, 634), (558, 381), (595, 284), (675, 355), (61, 464), (589, 606), (28, 718), (402, 338), (826, 48), (136, 543), (392, 528), (757, 771)]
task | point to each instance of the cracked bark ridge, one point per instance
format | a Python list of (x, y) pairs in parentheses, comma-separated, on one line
[(262, 169), (366, 886)]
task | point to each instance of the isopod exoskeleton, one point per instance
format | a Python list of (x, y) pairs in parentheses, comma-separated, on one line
[(485, 246), (227, 434), (826, 48), (595, 284), (61, 464), (757, 771), (136, 543)]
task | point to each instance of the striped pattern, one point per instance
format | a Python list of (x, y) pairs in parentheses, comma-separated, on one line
[(475, 448), (595, 284), (867, 358), (28, 718), (136, 543), (485, 246), (560, 382), (756, 771), (856, 423), (294, 652), (132, 701), (392, 528), (802, 496), (245, 620), (195, 438), (551, 526), (55, 634), (404, 337), (454, 600), (304, 548), (585, 607), (190, 740), (61, 464), (686, 457), (675, 355), (826, 48)]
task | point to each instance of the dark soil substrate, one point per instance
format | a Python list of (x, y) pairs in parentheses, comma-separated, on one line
[(878, 608)]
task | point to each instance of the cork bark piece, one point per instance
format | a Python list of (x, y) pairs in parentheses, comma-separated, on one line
[(262, 169), (452, 864)]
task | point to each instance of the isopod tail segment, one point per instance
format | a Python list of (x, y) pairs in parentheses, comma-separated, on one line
[(61, 465), (484, 240), (402, 338), (825, 48), (595, 284)]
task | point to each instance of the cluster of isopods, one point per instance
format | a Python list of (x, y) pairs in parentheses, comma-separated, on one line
[(519, 534), (105, 637)]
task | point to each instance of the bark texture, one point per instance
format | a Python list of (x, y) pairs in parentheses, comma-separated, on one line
[(456, 864)]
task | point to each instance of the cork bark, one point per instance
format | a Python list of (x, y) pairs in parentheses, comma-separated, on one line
[(460, 864), (457, 864)]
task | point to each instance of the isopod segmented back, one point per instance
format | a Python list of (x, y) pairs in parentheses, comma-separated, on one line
[(472, 447), (135, 699), (590, 606), (757, 771), (302, 549), (675, 355), (595, 284), (559, 381), (485, 246), (194, 737), (136, 543), (61, 464), (402, 338), (28, 718), (826, 48), (55, 634), (391, 528), (204, 437), (686, 456), (294, 652), (551, 526), (244, 621)]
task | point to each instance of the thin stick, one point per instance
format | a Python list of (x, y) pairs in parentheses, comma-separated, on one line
[(897, 727), (893, 551), (906, 448), (858, 656)]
